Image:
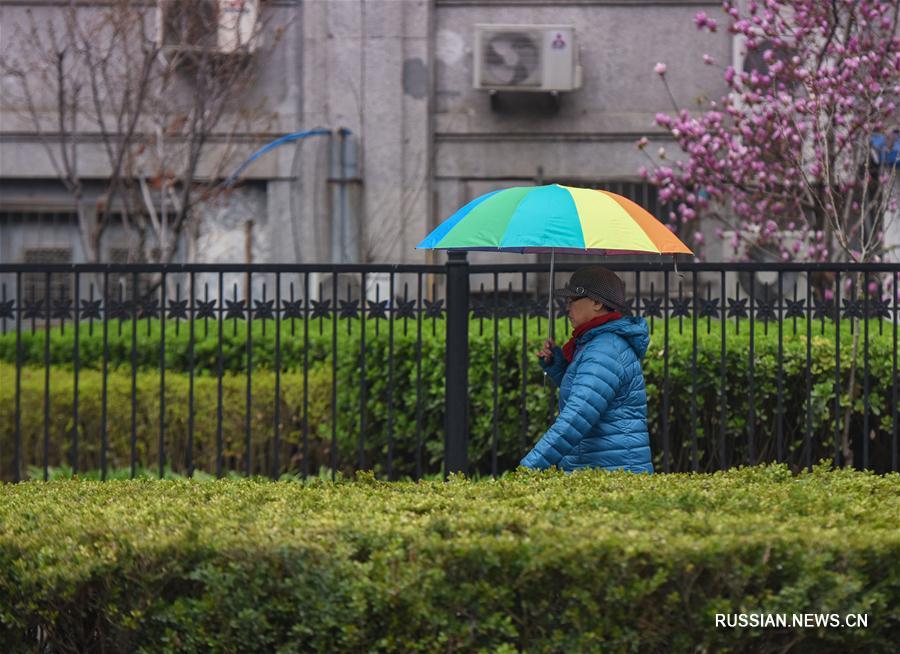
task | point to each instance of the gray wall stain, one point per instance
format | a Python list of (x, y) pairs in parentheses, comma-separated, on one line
[(415, 78)]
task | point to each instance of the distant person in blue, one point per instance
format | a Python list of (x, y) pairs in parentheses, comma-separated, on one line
[(602, 421)]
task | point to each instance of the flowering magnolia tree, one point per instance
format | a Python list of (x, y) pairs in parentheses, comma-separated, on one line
[(789, 148), (786, 157)]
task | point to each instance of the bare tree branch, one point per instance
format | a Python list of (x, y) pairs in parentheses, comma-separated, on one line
[(156, 110)]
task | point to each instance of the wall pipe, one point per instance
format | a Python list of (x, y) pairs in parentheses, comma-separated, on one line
[(287, 138)]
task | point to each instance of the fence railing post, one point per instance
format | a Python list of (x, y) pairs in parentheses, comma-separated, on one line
[(456, 396)]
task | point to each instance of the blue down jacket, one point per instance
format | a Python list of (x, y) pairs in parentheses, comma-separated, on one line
[(602, 421)]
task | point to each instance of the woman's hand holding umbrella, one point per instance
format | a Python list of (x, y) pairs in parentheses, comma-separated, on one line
[(547, 353)]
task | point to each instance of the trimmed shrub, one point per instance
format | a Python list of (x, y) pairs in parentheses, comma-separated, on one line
[(519, 424), (411, 411), (146, 354), (147, 418), (549, 562), (706, 392)]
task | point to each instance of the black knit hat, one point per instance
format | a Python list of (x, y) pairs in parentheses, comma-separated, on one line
[(597, 283)]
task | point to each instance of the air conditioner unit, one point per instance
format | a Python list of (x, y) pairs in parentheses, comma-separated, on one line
[(538, 58), (221, 26)]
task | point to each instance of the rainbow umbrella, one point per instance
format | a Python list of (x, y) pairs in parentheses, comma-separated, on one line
[(552, 219)]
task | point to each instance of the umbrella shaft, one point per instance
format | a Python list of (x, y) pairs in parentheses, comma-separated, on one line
[(550, 300)]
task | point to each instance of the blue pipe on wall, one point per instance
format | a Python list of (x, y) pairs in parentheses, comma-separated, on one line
[(287, 138)]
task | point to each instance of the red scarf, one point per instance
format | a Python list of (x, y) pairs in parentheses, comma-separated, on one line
[(569, 347)]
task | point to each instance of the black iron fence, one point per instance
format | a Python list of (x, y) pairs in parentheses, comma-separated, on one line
[(422, 370)]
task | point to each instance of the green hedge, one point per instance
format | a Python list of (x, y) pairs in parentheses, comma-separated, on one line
[(234, 392), (706, 391), (540, 398), (391, 396), (319, 339), (205, 346), (549, 562)]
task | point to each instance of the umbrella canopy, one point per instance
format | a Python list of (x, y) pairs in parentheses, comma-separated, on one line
[(554, 218)]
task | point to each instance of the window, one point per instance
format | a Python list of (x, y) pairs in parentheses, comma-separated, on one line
[(754, 60), (34, 285), (189, 23), (36, 236)]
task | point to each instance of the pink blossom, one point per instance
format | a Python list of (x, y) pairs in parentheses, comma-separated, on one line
[(659, 68), (729, 74), (756, 148), (701, 20), (663, 120)]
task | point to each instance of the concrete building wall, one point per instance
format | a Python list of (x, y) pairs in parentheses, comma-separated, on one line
[(367, 69), (398, 75)]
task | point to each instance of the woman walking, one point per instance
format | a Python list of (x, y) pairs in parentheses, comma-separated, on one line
[(602, 420)]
